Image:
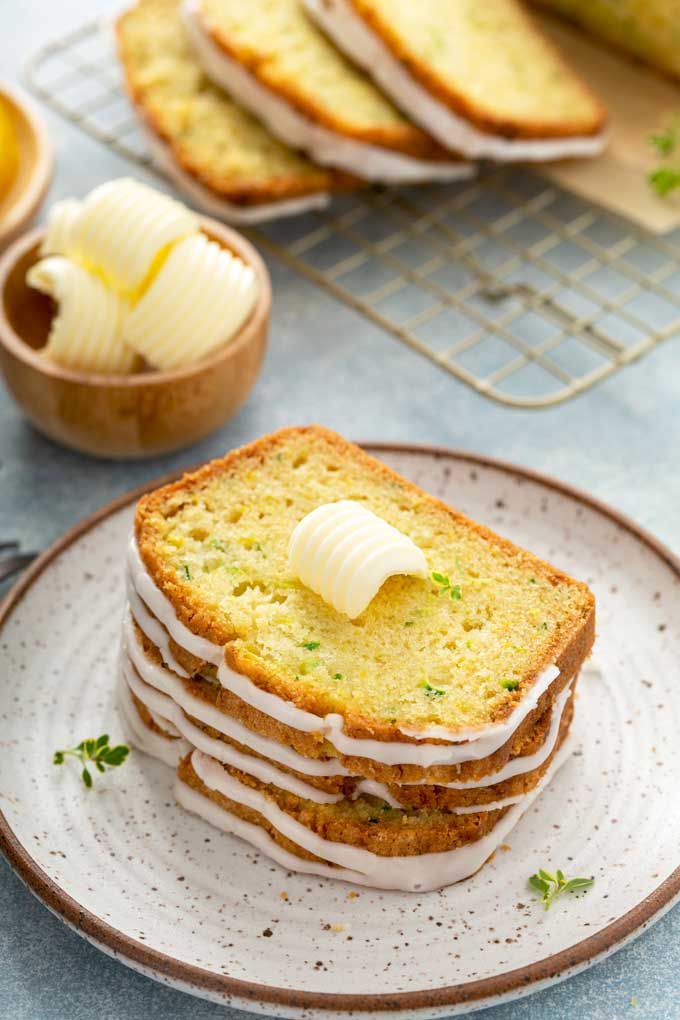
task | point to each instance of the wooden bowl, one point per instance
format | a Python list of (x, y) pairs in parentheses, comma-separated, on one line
[(124, 416), (36, 159)]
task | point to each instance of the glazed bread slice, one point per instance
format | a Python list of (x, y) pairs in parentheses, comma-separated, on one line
[(282, 48), (647, 29), (215, 544), (481, 78), (216, 143)]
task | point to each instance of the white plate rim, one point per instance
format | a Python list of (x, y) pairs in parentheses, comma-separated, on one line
[(258, 997)]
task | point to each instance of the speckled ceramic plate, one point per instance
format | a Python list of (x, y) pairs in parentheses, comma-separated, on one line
[(200, 910)]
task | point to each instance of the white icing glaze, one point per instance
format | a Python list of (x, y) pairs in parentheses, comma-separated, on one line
[(212, 813), (144, 739), (464, 746), (375, 789), (419, 873), (521, 765), (355, 38), (163, 680), (345, 553), (329, 148), (212, 204), (163, 610), (225, 753), (150, 626)]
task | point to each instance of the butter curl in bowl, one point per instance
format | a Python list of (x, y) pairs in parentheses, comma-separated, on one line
[(130, 326)]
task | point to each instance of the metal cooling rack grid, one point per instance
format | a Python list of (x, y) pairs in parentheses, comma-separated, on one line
[(514, 286)]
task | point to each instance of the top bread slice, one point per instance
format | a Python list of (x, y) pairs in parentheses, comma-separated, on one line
[(488, 63), (648, 29), (283, 49), (215, 141), (215, 543)]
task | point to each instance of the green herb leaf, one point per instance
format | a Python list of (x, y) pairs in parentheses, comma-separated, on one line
[(665, 141), (455, 591), (311, 646), (409, 623), (510, 684), (96, 751), (532, 580), (578, 883), (430, 690), (187, 571), (116, 755), (544, 625), (550, 886), (337, 676), (664, 180)]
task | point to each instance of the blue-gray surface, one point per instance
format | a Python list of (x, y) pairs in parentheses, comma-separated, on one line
[(620, 441)]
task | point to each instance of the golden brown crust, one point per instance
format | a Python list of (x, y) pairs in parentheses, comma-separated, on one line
[(525, 740), (255, 192), (400, 137), (461, 105), (568, 647)]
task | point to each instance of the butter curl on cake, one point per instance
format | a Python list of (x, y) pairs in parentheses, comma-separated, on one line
[(345, 553)]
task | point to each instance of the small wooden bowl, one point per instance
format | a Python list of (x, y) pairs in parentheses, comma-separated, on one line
[(36, 159), (124, 416)]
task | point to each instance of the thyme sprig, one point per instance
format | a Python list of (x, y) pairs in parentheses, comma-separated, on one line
[(550, 886), (665, 178), (96, 751), (445, 587)]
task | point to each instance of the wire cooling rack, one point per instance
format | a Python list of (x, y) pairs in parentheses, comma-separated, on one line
[(509, 283)]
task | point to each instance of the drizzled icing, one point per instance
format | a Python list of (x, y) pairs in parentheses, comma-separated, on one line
[(351, 34), (162, 609), (469, 745), (166, 709), (420, 873), (225, 753), (329, 148), (520, 765), (144, 739), (155, 632)]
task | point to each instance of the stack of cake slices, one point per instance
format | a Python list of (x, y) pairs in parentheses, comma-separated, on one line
[(395, 747), (265, 110)]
